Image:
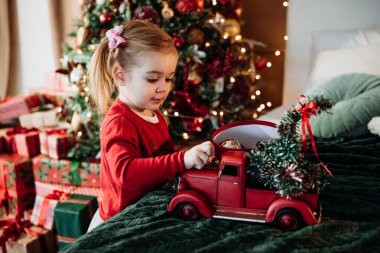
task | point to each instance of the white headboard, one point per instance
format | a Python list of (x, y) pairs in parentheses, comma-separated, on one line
[(310, 17)]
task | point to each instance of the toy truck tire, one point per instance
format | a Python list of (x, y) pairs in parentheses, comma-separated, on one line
[(190, 201), (298, 206), (288, 220)]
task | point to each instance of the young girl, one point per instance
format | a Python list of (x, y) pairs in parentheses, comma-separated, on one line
[(138, 62)]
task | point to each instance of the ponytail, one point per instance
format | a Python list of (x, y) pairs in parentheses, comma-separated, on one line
[(101, 83)]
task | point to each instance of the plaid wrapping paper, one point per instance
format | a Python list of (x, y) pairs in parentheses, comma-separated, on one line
[(89, 191), (59, 171), (43, 212), (27, 144), (17, 187), (89, 173), (13, 107), (56, 143)]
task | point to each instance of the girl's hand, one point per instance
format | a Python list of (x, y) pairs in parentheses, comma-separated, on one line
[(198, 155)]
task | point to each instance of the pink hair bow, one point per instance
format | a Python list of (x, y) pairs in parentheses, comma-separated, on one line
[(114, 38)]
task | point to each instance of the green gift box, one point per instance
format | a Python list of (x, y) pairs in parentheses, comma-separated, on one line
[(73, 215)]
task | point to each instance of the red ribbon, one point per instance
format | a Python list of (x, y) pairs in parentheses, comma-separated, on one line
[(51, 132), (13, 229), (307, 110)]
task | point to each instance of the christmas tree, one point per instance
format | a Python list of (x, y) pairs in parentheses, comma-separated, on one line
[(215, 77)]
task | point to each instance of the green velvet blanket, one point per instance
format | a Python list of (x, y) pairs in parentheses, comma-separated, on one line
[(350, 223)]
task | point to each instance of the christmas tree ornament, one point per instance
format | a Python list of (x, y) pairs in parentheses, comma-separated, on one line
[(82, 35), (231, 27), (186, 6), (167, 12), (193, 78), (105, 17), (177, 41), (148, 13), (261, 63), (77, 74), (196, 36)]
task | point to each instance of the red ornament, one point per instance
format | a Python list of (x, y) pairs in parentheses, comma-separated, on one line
[(177, 41), (261, 63), (186, 6), (147, 13), (105, 17)]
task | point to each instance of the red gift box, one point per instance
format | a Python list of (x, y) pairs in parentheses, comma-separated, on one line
[(28, 144), (17, 189), (13, 107), (3, 145), (10, 140), (89, 173), (56, 143), (43, 210)]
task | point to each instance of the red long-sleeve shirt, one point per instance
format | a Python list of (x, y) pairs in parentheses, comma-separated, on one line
[(137, 156)]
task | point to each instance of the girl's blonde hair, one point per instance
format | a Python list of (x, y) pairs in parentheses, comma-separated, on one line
[(141, 36)]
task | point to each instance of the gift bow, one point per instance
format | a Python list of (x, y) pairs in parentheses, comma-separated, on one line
[(114, 38), (11, 142), (55, 195), (13, 228), (307, 110)]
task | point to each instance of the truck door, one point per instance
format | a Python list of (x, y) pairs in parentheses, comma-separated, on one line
[(229, 186)]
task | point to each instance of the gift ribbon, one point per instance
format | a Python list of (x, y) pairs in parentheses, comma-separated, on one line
[(307, 110), (55, 195), (13, 228), (47, 133)]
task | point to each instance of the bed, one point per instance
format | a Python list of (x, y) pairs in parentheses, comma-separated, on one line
[(350, 221)]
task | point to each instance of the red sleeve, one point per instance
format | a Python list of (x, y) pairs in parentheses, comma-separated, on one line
[(124, 160)]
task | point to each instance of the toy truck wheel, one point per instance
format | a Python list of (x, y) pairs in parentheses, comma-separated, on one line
[(288, 220), (187, 211)]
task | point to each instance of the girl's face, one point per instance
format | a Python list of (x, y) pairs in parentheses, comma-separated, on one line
[(147, 84)]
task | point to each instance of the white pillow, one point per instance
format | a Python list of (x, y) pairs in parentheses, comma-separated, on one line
[(330, 63)]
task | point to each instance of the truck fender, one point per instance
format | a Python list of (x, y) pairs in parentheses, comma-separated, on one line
[(193, 197), (296, 204)]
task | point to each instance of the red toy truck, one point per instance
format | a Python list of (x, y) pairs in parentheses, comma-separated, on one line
[(220, 191)]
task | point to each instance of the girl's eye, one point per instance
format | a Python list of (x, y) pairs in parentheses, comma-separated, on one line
[(152, 80)]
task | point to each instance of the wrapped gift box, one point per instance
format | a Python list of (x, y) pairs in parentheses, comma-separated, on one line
[(90, 173), (58, 171), (3, 145), (16, 183), (27, 144), (43, 212), (73, 216), (36, 240), (13, 107), (40, 119), (9, 135), (56, 143)]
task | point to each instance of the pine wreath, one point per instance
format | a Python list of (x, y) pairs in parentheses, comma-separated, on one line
[(281, 164)]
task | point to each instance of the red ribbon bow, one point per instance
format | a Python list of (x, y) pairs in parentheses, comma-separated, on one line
[(13, 228), (55, 195), (307, 110)]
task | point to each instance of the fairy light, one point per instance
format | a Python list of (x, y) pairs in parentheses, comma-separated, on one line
[(285, 4), (253, 97), (238, 37), (214, 2), (214, 113), (222, 20), (211, 21), (207, 44), (176, 114), (259, 109), (86, 99), (257, 77), (185, 136), (86, 89), (262, 106), (59, 109), (165, 112), (200, 120), (269, 104), (221, 113), (89, 114), (243, 50), (225, 36), (286, 37), (79, 133), (232, 79), (269, 64), (258, 92), (254, 115), (277, 53)]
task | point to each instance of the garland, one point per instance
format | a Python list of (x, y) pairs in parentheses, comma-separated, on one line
[(282, 163)]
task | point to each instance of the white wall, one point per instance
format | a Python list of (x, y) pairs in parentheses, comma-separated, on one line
[(308, 16), (33, 41)]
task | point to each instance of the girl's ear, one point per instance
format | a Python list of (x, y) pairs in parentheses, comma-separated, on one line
[(120, 75)]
